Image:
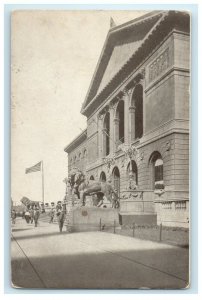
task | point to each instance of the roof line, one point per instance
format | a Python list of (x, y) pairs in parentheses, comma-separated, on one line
[(75, 139), (111, 31), (142, 43), (137, 21)]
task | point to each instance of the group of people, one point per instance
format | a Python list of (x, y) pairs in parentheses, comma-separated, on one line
[(32, 215)]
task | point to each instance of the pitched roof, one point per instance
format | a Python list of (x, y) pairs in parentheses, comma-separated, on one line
[(121, 42), (124, 49)]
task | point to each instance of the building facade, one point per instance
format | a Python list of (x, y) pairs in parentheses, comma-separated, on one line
[(137, 110)]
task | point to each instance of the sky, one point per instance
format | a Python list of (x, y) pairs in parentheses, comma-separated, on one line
[(53, 58)]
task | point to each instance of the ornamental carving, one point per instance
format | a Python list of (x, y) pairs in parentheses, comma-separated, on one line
[(159, 192), (141, 155), (128, 150), (109, 161), (131, 184), (159, 65), (127, 92), (92, 121), (168, 146), (142, 73), (100, 116), (112, 105)]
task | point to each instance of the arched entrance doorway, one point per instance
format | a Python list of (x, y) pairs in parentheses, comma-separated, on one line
[(116, 180)]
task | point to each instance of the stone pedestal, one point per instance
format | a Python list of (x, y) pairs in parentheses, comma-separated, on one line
[(89, 218)]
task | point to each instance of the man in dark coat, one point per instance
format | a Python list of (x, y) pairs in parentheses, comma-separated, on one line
[(60, 215), (36, 216), (52, 214)]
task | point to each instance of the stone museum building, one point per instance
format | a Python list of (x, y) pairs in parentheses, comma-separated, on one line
[(137, 110)]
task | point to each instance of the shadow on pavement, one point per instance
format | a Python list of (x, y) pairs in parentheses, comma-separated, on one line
[(20, 229), (39, 235), (155, 269)]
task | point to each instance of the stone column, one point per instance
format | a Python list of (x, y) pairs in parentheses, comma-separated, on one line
[(126, 99), (132, 123), (104, 142), (116, 132), (100, 139), (111, 131)]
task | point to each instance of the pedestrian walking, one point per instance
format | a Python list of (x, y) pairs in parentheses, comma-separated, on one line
[(60, 215), (31, 211), (52, 214), (13, 216), (36, 216), (27, 216)]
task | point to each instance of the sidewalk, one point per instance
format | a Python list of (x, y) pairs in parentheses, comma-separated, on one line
[(44, 258)]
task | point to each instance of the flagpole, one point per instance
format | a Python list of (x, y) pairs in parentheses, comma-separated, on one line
[(42, 181)]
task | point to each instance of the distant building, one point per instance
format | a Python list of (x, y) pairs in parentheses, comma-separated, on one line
[(137, 110)]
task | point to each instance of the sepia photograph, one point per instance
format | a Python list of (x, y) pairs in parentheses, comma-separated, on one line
[(100, 159)]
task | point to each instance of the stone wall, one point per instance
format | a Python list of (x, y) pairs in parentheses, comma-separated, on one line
[(164, 77), (78, 157)]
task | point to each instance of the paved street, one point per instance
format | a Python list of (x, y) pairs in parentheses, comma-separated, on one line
[(44, 258)]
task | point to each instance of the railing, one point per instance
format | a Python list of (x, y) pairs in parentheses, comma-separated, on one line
[(158, 233)]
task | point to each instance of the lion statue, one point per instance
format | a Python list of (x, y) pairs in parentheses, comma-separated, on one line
[(82, 188)]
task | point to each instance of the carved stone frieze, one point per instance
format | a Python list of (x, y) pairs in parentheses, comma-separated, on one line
[(159, 65)]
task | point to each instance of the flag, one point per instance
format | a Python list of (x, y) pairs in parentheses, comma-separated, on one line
[(35, 168)]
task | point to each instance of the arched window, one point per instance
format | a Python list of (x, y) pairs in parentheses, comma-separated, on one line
[(80, 156), (116, 180), (92, 177), (132, 171), (119, 131), (103, 177), (157, 171), (106, 133), (137, 114)]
